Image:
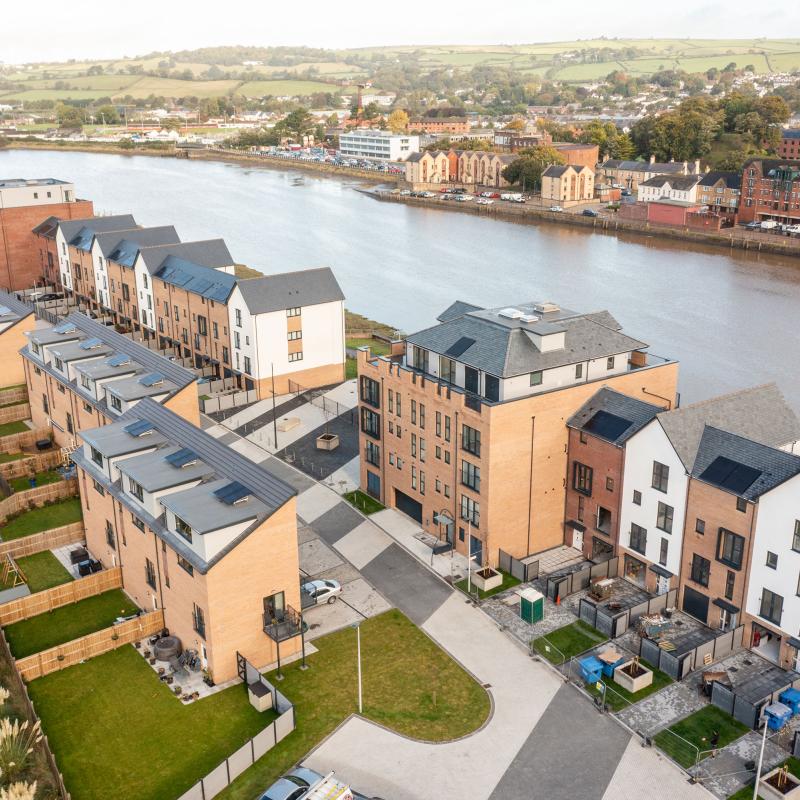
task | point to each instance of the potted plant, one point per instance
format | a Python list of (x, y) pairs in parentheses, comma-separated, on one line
[(487, 579), (208, 678), (632, 676), (779, 785)]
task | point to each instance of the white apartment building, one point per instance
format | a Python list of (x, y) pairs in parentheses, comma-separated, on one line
[(382, 145), (682, 188), (17, 192)]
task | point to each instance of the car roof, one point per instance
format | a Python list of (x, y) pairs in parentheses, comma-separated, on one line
[(308, 775), (279, 790)]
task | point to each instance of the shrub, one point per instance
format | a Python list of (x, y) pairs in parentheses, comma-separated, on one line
[(16, 745), (19, 791)]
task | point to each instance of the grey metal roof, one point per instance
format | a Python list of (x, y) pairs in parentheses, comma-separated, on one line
[(759, 413), (154, 473), (99, 370), (506, 347), (203, 281), (133, 389), (457, 309), (124, 246), (645, 166), (308, 287), (636, 412), (206, 253), (73, 351), (773, 466), (47, 228), (113, 440), (81, 231), (21, 183), (17, 310)]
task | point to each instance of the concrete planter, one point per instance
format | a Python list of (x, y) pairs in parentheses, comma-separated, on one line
[(487, 579), (789, 790), (623, 678), (327, 441)]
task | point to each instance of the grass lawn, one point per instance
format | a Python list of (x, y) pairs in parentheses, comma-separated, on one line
[(508, 582), (113, 724), (376, 346), (6, 457), (43, 519), (363, 502), (22, 483), (410, 685), (569, 641), (7, 428), (43, 571), (67, 623), (350, 368), (618, 698), (697, 729)]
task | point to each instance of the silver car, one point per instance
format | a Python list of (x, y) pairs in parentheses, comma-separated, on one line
[(322, 591)]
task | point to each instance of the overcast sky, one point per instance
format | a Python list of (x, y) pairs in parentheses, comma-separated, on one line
[(54, 30)]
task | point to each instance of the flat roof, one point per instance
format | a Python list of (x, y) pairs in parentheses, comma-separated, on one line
[(154, 473), (75, 351), (113, 440), (21, 183), (133, 388)]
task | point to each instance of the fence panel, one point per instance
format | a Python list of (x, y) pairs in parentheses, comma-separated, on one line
[(22, 501), (657, 604), (240, 760), (722, 697), (35, 462), (284, 725), (613, 567), (702, 650), (531, 568), (195, 793), (64, 595), (604, 622), (13, 394), (505, 562), (745, 712), (669, 664), (621, 624), (587, 611), (634, 612), (215, 781), (15, 442), (46, 540)]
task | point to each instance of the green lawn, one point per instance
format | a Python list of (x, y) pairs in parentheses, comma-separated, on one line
[(6, 457), (376, 346), (67, 623), (363, 502), (696, 730), (22, 483), (410, 685), (567, 642), (43, 571), (618, 698), (508, 582), (43, 519), (350, 368), (7, 428), (118, 731)]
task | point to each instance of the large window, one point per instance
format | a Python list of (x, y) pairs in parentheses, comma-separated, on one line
[(371, 423), (662, 556), (419, 358), (664, 517), (97, 457), (771, 606), (470, 510), (185, 565), (701, 569), (183, 529), (150, 573), (730, 548), (582, 478), (603, 520), (373, 454), (199, 621), (136, 489), (471, 476), (638, 538), (796, 536), (370, 391), (471, 440), (491, 388), (447, 369), (660, 476)]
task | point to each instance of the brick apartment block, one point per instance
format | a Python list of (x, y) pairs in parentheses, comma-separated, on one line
[(16, 320)]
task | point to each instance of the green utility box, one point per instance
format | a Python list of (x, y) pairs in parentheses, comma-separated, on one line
[(531, 606)]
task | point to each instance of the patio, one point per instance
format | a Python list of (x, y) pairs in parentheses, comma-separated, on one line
[(622, 595)]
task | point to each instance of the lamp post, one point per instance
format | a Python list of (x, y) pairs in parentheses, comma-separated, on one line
[(760, 759), (357, 626)]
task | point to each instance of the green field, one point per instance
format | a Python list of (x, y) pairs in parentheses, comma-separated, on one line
[(170, 87), (281, 88)]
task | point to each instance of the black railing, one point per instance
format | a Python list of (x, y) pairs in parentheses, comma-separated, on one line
[(283, 626)]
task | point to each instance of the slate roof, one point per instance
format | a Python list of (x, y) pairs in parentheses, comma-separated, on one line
[(606, 402), (557, 170), (17, 310), (673, 168), (457, 309), (733, 180), (80, 232), (682, 182), (506, 347), (47, 228), (791, 133), (207, 253), (760, 413), (123, 247), (204, 281), (770, 467), (308, 287)]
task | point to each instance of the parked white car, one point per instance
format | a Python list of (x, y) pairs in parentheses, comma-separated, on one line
[(556, 208), (768, 224), (485, 201), (320, 591)]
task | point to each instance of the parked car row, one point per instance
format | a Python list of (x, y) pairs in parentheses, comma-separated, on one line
[(773, 226), (324, 156)]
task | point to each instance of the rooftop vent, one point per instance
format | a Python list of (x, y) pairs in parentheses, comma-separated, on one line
[(546, 308), (510, 313)]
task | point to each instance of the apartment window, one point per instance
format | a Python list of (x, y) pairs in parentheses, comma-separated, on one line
[(135, 489), (446, 456), (110, 539), (370, 391), (730, 582), (664, 517), (730, 548), (185, 565), (660, 476), (413, 477), (446, 490), (60, 387), (741, 504), (637, 497), (471, 476), (771, 606), (295, 356), (413, 445), (98, 487), (438, 423), (438, 486), (371, 423), (536, 378), (225, 355), (582, 478), (45, 404), (293, 312), (772, 560), (97, 456), (150, 573), (447, 369), (238, 313), (470, 510), (390, 401), (183, 529), (700, 526), (471, 440), (70, 423), (422, 449), (293, 336), (610, 362), (144, 279), (373, 453), (398, 401), (116, 403), (638, 538), (215, 329), (247, 365), (137, 523), (603, 521), (58, 364), (447, 428), (413, 412), (701, 569), (391, 458), (609, 484), (581, 507), (422, 415), (199, 621), (796, 536), (237, 342), (578, 371), (177, 314), (662, 556), (202, 328), (421, 482)]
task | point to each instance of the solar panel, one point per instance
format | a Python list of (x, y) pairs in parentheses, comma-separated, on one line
[(607, 426), (64, 327), (118, 360), (232, 493), (90, 344), (731, 475), (138, 428), (181, 458), (151, 379), (460, 347)]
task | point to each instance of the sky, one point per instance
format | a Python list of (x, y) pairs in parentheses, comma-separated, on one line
[(54, 30)]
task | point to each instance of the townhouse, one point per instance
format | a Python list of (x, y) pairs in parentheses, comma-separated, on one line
[(429, 166), (682, 188), (659, 460), (24, 205), (770, 190), (720, 191), (16, 320), (478, 168), (198, 531), (81, 374), (567, 185), (629, 174), (598, 432), (463, 428)]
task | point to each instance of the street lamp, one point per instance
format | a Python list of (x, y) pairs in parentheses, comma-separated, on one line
[(761, 757), (357, 626)]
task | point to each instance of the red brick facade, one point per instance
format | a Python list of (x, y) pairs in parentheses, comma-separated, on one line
[(770, 190)]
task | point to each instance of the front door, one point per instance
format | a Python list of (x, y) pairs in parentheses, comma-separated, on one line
[(577, 539), (476, 550)]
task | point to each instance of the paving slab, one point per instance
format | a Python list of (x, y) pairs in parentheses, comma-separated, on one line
[(344, 573), (314, 502), (363, 543), (329, 617), (662, 709), (363, 598), (345, 394), (504, 609), (316, 557), (304, 532), (247, 449), (286, 473), (346, 478), (337, 521)]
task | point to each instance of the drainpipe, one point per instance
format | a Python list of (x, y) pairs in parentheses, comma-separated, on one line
[(530, 484)]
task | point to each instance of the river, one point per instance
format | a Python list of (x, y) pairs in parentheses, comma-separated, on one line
[(730, 318)]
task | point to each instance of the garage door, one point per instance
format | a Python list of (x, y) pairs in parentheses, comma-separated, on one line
[(695, 604), (408, 505)]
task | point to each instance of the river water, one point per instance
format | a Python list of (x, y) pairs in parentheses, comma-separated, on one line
[(730, 318)]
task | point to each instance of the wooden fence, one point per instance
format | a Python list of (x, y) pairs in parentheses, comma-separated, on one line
[(33, 462), (41, 602), (93, 644), (15, 442), (46, 540), (50, 493), (13, 394), (16, 412)]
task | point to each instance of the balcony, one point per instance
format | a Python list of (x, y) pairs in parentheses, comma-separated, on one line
[(284, 626)]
